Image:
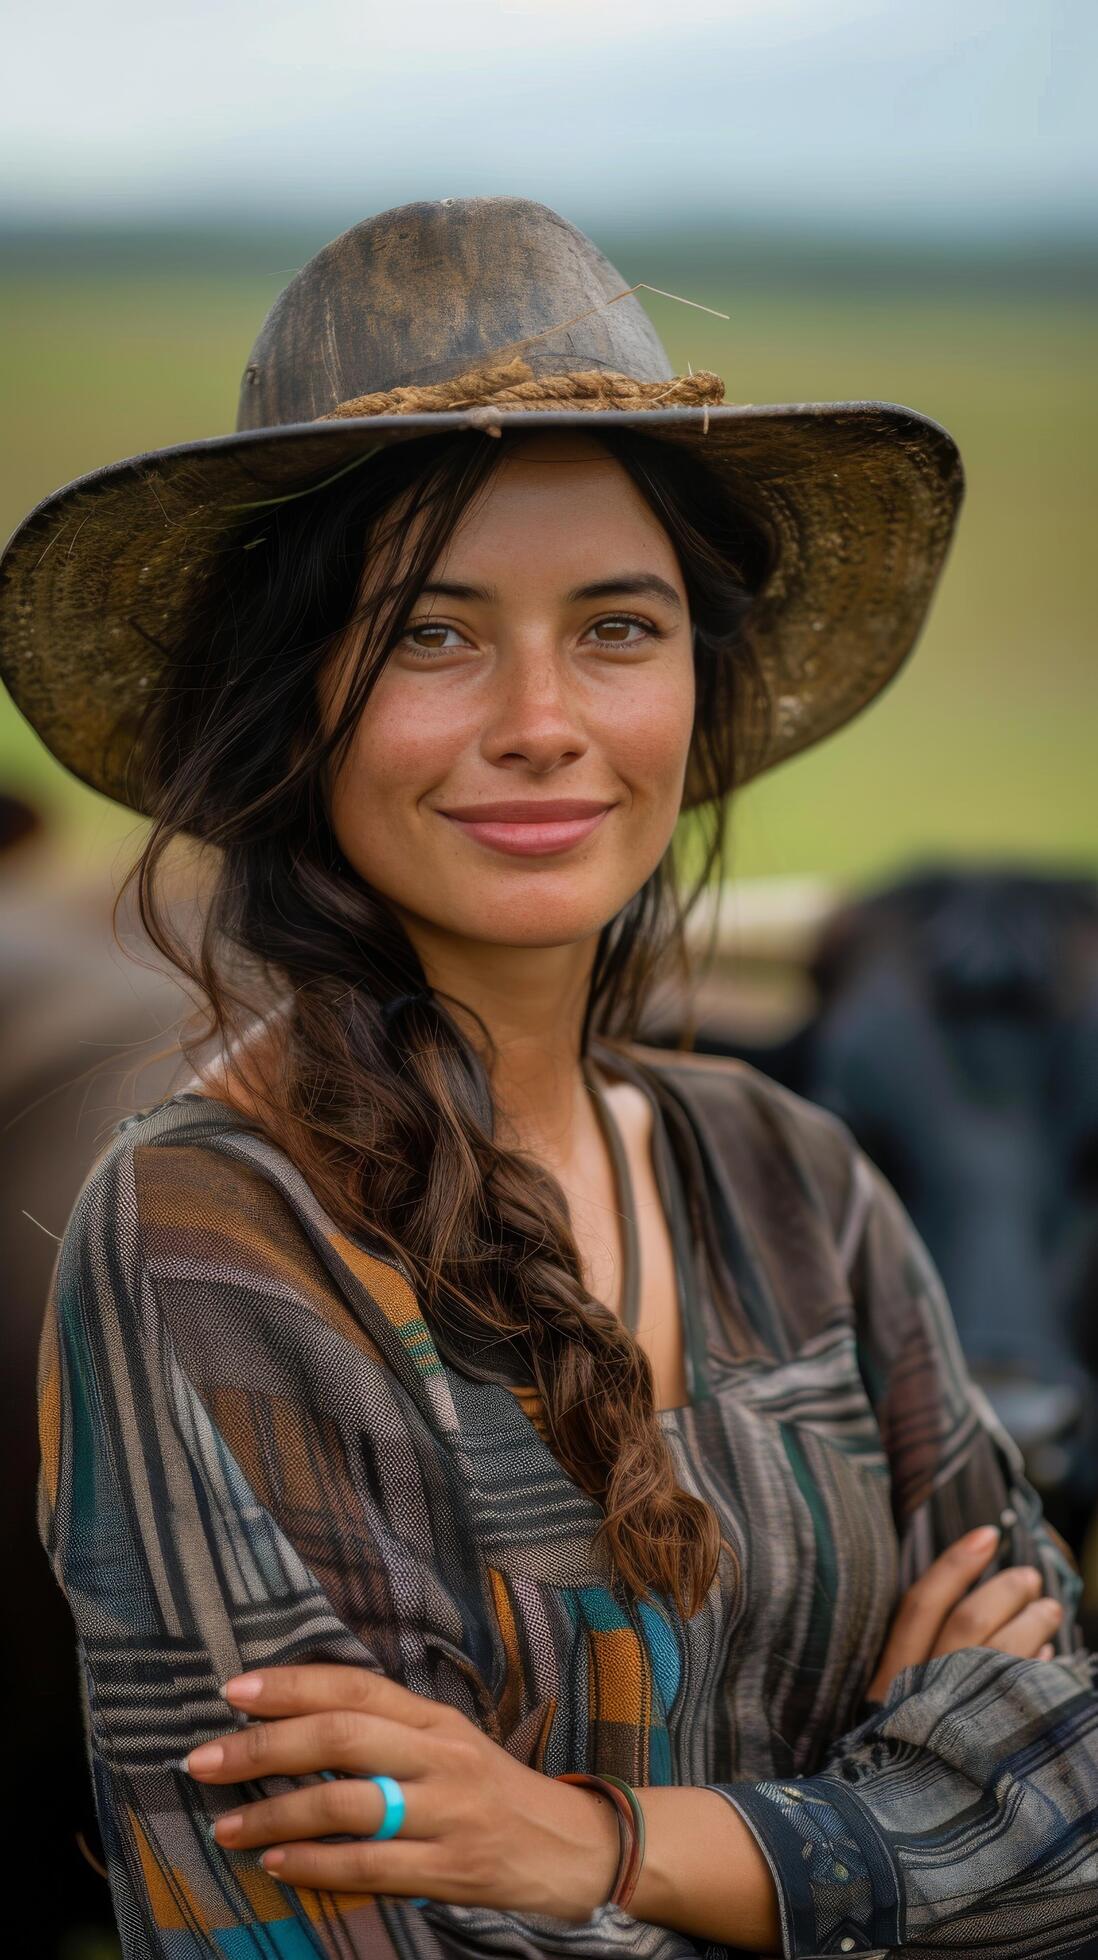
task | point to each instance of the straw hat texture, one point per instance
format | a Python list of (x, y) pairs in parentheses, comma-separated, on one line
[(465, 313)]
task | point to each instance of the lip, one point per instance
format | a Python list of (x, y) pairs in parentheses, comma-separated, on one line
[(528, 809), (530, 828)]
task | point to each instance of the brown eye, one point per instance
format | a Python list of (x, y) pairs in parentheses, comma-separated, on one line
[(437, 644), (620, 626)]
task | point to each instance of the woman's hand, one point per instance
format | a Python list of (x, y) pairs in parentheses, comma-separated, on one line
[(939, 1615), (479, 1827)]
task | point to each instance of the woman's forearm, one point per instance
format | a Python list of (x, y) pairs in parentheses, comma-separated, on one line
[(703, 1871)]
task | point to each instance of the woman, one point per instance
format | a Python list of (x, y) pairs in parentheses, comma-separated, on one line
[(471, 1395)]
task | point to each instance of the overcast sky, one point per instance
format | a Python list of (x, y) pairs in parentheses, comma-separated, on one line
[(922, 113)]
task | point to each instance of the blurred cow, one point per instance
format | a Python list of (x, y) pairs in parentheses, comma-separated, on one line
[(78, 1022), (956, 1031)]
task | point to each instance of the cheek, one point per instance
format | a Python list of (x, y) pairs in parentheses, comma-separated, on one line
[(647, 730), (401, 750)]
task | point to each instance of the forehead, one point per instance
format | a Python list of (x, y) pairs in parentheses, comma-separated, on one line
[(558, 510), (560, 491)]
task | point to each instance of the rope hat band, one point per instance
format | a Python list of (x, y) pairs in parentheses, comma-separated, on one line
[(475, 315), (513, 384)]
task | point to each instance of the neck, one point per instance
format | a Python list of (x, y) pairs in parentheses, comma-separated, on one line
[(532, 1002)]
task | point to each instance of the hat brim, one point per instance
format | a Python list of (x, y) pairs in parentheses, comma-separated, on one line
[(860, 498)]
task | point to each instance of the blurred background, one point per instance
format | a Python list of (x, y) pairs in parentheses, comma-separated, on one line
[(888, 202)]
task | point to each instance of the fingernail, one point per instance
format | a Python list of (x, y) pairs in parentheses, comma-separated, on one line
[(983, 1539), (210, 1828), (242, 1687), (271, 1860), (230, 1825), (210, 1756), (1047, 1652)]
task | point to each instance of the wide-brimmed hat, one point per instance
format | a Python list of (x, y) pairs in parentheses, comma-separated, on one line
[(460, 314)]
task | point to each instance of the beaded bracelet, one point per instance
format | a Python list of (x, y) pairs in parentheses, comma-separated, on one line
[(630, 1816)]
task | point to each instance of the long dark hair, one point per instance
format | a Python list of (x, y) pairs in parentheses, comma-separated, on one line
[(389, 1116)]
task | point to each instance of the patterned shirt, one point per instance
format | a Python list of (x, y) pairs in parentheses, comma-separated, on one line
[(254, 1452)]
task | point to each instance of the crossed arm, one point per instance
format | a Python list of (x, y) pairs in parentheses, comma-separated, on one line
[(482, 1828)]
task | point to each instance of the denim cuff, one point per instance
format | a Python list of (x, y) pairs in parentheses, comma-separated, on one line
[(839, 1890)]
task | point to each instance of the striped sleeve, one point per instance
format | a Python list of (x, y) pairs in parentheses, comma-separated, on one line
[(961, 1817), (177, 1577)]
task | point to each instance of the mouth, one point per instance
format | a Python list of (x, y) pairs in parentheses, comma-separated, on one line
[(530, 829)]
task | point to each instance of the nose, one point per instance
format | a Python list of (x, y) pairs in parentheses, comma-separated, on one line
[(535, 715)]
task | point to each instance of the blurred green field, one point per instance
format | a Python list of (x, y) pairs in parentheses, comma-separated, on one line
[(982, 747)]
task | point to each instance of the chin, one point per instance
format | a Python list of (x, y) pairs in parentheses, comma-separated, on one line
[(547, 924)]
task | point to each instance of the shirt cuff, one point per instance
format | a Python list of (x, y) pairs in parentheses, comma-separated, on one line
[(839, 1889)]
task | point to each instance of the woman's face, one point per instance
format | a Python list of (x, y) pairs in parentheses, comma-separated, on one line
[(555, 668)]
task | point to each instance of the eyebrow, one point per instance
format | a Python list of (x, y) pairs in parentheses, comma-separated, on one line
[(638, 584)]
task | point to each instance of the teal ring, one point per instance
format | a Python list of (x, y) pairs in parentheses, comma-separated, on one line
[(394, 1812), (394, 1807), (394, 1815)]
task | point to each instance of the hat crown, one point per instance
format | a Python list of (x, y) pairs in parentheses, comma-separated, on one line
[(427, 290)]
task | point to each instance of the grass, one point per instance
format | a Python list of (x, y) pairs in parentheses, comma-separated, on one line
[(983, 746)]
